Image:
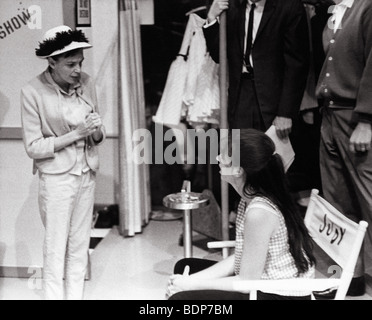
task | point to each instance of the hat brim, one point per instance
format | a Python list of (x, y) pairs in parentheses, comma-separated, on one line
[(72, 46)]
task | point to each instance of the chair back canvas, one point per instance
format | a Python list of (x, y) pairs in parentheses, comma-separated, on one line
[(338, 236), (330, 229)]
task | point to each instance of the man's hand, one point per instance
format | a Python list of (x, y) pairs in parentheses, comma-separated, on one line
[(283, 127), (360, 140), (217, 7)]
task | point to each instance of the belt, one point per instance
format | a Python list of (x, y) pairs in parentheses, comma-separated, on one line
[(346, 104), (247, 75)]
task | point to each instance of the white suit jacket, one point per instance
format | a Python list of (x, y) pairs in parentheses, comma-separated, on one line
[(43, 121)]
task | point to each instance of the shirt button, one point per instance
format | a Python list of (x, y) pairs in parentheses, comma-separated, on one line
[(325, 90), (333, 41), (331, 102), (330, 58), (328, 75)]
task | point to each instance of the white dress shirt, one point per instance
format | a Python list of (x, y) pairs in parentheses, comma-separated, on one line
[(339, 12), (75, 110)]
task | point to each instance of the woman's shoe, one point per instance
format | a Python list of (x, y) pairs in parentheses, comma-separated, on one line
[(357, 288), (328, 294)]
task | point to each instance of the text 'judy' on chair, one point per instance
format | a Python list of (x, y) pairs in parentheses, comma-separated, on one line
[(338, 236)]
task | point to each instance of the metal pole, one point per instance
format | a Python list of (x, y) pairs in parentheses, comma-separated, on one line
[(187, 224), (187, 233), (224, 125)]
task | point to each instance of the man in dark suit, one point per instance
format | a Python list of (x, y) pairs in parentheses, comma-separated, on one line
[(268, 54)]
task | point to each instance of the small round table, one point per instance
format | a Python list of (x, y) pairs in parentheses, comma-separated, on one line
[(186, 201)]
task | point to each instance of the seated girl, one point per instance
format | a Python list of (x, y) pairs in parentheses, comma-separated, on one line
[(272, 241)]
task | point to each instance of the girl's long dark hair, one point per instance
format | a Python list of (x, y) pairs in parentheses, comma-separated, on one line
[(265, 177)]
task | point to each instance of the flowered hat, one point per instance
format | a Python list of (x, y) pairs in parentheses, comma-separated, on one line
[(59, 40)]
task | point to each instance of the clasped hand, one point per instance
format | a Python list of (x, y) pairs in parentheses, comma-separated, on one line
[(178, 283), (91, 124)]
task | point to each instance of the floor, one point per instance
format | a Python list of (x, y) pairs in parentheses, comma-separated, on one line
[(130, 268)]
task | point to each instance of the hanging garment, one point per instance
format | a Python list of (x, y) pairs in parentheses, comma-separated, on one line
[(206, 106), (202, 95), (170, 107), (192, 88)]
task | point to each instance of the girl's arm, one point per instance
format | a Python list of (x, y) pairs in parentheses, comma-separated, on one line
[(259, 227), (205, 279)]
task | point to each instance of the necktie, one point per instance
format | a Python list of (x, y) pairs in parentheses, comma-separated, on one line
[(249, 38)]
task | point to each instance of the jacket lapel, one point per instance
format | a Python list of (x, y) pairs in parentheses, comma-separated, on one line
[(81, 93), (242, 16), (268, 11)]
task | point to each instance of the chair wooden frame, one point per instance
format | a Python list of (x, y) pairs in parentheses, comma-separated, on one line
[(327, 226)]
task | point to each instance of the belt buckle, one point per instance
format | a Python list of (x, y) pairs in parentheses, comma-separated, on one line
[(247, 75), (249, 69)]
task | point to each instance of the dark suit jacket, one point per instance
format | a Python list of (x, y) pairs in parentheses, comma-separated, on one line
[(280, 56)]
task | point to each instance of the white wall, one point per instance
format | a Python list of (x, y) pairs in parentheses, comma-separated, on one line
[(18, 63), (146, 8), (21, 230), (101, 62)]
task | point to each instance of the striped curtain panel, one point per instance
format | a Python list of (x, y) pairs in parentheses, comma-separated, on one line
[(135, 198)]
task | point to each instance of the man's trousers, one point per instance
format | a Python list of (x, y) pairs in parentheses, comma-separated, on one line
[(346, 176)]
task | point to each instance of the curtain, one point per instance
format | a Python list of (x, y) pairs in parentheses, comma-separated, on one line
[(135, 198)]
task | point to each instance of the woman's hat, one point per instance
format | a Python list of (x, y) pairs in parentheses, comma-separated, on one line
[(59, 40)]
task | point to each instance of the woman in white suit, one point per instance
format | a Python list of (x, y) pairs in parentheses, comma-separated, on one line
[(61, 129)]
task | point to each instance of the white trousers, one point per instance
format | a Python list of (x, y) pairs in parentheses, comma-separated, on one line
[(66, 207)]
